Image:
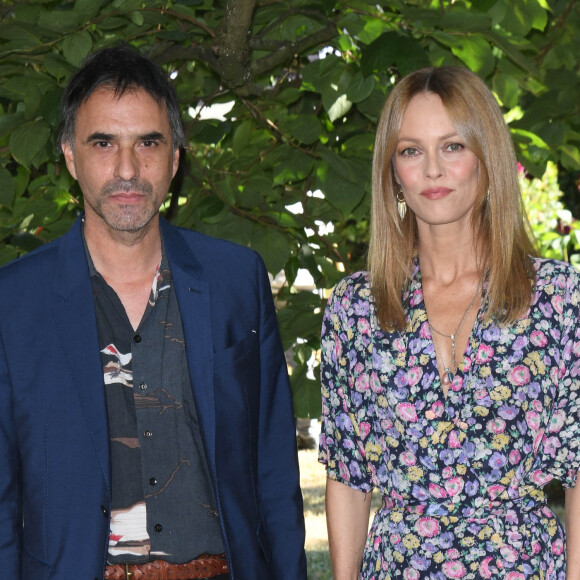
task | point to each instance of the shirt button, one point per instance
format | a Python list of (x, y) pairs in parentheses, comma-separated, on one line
[(152, 481), (148, 434), (137, 338), (105, 511), (143, 386), (158, 527)]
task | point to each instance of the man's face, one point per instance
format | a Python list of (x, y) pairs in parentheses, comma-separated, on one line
[(122, 157)]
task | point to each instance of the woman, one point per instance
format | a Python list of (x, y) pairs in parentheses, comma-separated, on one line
[(450, 370)]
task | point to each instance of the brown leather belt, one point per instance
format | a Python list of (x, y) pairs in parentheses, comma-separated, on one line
[(206, 566)]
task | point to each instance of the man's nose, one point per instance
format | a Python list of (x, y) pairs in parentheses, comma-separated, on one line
[(127, 166)]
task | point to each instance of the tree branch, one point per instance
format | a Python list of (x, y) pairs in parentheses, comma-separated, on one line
[(233, 49), (287, 50)]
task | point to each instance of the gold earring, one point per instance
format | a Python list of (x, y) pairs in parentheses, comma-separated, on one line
[(401, 203)]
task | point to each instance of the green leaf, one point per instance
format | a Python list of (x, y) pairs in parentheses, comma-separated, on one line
[(512, 51), (392, 49), (305, 128), (289, 96), (291, 269), (26, 141), (338, 108), (344, 193), (183, 10), (9, 122), (87, 9), (7, 254), (570, 157), (372, 106), (212, 209), (21, 180), (7, 188), (507, 89), (466, 21), (360, 87), (76, 48), (523, 136), (112, 23), (295, 166), (476, 53), (305, 393), (137, 18), (27, 13), (520, 16), (359, 145), (61, 21), (242, 136), (210, 131), (57, 67), (273, 246), (26, 241), (21, 38), (126, 5)]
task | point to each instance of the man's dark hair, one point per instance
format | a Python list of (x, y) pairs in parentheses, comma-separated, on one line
[(121, 69)]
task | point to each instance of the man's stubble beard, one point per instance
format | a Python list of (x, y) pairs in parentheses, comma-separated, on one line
[(126, 217)]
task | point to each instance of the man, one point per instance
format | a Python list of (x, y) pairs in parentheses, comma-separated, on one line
[(145, 414)]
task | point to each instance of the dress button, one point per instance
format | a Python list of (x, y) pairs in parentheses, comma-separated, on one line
[(152, 481), (158, 527), (105, 511), (143, 386), (148, 434), (137, 338)]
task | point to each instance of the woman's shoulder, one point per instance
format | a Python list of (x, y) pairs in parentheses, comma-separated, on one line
[(355, 286), (555, 274), (351, 298)]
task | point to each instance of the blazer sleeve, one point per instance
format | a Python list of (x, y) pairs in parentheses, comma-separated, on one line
[(10, 505), (278, 471)]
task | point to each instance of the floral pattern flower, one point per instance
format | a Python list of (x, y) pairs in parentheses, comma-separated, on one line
[(461, 475)]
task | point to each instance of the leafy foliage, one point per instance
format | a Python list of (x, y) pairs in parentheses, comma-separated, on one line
[(556, 231), (304, 82)]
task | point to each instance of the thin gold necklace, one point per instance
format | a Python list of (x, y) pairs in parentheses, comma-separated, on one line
[(449, 371)]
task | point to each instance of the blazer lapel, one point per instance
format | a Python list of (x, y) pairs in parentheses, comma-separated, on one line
[(193, 296), (76, 328)]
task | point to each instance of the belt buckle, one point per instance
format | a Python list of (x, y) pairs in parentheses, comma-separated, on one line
[(127, 573)]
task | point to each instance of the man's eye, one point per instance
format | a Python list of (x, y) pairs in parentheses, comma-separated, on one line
[(102, 144), (149, 143)]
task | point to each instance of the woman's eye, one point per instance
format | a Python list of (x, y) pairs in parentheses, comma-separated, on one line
[(409, 152), (454, 147)]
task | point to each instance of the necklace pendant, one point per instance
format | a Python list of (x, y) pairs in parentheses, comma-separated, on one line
[(447, 378)]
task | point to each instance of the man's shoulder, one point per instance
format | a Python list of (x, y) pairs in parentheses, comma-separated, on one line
[(30, 264)]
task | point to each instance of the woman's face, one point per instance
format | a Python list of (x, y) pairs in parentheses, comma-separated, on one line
[(437, 172)]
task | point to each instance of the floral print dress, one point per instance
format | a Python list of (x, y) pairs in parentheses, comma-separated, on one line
[(461, 476)]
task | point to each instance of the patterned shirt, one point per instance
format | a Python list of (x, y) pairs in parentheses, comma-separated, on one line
[(461, 476), (163, 504)]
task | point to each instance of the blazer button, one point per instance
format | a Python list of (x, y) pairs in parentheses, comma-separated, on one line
[(158, 527), (105, 511)]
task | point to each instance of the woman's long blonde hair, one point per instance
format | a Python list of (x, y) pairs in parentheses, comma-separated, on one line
[(499, 223)]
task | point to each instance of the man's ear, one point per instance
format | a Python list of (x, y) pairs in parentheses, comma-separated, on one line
[(175, 162), (69, 158)]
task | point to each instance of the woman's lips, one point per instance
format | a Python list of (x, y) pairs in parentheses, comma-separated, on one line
[(436, 192)]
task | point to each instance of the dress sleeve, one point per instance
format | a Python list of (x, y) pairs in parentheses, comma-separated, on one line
[(561, 439), (344, 415)]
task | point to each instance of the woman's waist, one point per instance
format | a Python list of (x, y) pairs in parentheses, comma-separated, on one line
[(529, 499)]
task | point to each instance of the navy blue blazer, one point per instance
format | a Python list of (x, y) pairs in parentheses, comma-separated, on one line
[(54, 445)]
